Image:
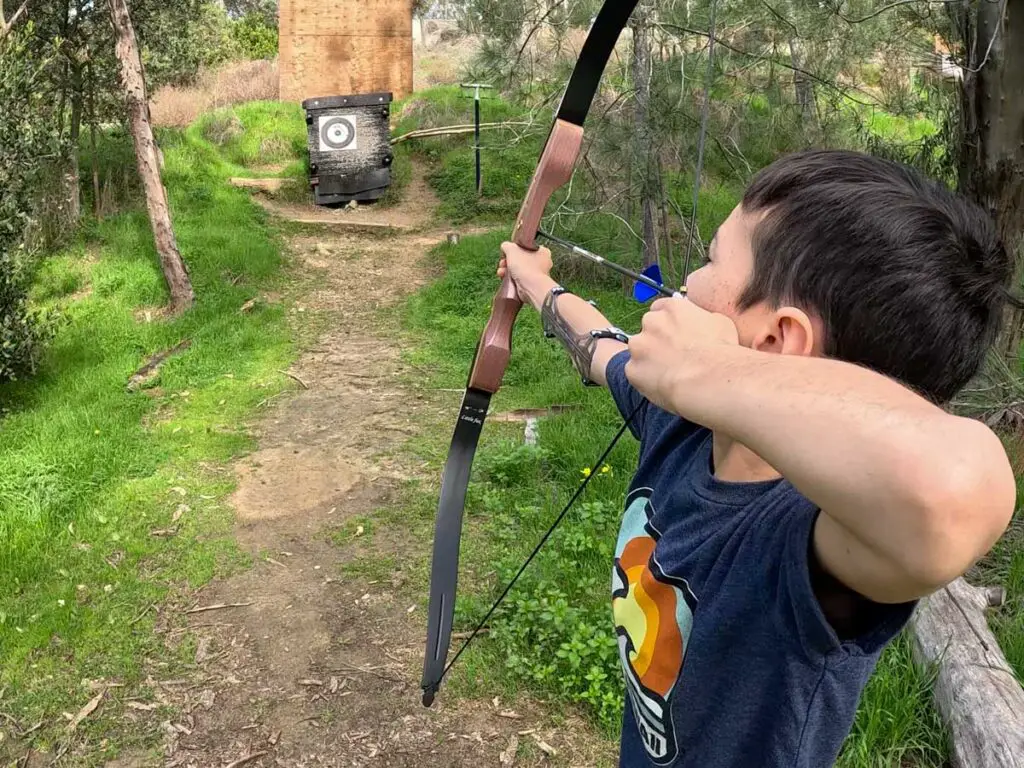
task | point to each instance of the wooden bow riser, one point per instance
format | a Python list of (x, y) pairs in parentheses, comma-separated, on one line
[(553, 171)]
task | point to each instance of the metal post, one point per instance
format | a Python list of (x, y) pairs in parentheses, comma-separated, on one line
[(476, 132)]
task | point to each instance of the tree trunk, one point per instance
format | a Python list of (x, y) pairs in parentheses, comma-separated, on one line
[(7, 25), (72, 179), (992, 146), (803, 88), (976, 692), (134, 84), (96, 201), (644, 152), (670, 270)]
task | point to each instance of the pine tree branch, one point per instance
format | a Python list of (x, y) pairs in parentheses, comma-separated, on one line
[(883, 9), (760, 57)]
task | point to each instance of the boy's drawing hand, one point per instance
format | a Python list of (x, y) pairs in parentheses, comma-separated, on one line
[(675, 331)]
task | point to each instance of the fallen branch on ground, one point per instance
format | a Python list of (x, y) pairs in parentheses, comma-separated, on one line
[(85, 711), (217, 607), (246, 759), (976, 692), (369, 671), (293, 376), (149, 371)]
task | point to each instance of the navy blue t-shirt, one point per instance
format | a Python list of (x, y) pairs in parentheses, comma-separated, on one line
[(728, 659)]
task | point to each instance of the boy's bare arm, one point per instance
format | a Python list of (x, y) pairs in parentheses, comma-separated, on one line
[(910, 495)]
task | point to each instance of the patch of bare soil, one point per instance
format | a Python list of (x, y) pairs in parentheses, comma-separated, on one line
[(415, 212), (308, 662)]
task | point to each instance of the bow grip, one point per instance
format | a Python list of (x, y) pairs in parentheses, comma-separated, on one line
[(495, 347), (554, 169)]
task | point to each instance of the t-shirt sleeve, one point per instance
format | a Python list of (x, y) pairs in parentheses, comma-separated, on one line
[(799, 611), (626, 397)]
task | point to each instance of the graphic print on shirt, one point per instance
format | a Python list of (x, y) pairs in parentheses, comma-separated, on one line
[(653, 619)]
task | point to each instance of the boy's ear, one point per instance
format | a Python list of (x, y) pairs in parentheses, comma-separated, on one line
[(789, 331)]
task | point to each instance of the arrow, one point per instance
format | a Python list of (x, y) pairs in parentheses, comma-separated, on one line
[(642, 279)]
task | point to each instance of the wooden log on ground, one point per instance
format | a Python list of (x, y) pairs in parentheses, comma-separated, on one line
[(976, 692), (264, 185)]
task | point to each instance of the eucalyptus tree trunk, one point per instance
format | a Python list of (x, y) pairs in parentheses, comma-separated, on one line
[(803, 87), (96, 198), (6, 25), (72, 179), (992, 145), (644, 152), (148, 159)]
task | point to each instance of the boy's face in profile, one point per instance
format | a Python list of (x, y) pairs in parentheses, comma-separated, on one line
[(718, 285)]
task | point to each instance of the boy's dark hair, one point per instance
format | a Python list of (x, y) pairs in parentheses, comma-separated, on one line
[(910, 279)]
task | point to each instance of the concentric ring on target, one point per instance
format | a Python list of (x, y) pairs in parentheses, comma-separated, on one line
[(337, 133)]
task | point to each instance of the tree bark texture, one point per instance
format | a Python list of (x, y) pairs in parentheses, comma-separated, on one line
[(147, 158), (803, 88), (977, 695), (72, 179), (992, 143), (96, 198), (644, 150), (7, 25)]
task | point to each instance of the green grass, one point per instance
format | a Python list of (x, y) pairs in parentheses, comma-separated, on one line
[(899, 128), (508, 155), (1004, 566), (250, 137), (509, 158), (258, 133), (896, 724), (88, 471), (553, 637)]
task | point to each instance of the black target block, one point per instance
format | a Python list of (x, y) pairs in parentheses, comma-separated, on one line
[(349, 147)]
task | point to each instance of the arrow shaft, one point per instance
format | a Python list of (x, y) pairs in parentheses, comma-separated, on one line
[(602, 261)]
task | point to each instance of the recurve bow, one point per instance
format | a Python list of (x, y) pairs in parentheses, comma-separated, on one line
[(555, 168)]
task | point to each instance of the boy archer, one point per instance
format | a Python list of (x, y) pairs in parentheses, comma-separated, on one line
[(799, 487)]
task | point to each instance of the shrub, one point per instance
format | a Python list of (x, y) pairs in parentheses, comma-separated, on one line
[(27, 135), (254, 37)]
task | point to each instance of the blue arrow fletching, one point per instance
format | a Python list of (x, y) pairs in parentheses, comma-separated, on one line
[(644, 293)]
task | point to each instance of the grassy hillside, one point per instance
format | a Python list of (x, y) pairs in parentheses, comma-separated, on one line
[(111, 500)]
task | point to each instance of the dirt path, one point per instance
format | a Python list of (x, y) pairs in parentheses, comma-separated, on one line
[(320, 664)]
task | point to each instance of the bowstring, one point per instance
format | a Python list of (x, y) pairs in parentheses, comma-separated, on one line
[(701, 140), (561, 516)]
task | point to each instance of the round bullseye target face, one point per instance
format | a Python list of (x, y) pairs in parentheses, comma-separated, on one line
[(337, 133)]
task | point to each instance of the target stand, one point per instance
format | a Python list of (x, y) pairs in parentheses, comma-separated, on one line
[(349, 147)]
